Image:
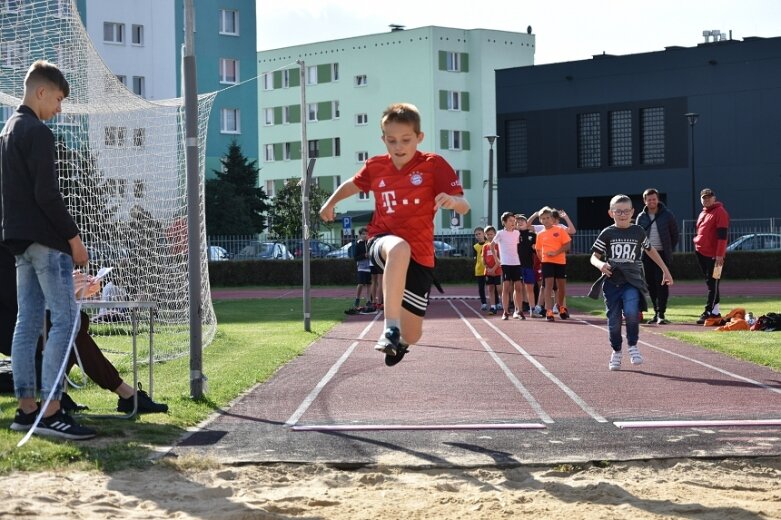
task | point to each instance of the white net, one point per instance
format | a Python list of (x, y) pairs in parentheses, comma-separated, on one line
[(121, 163)]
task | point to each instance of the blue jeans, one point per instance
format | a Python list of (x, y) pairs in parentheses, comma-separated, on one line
[(44, 279), (622, 300)]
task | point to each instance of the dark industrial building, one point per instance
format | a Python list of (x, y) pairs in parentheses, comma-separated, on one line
[(574, 134)]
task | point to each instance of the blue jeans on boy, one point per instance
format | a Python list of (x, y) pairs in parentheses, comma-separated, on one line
[(622, 300), (44, 279)]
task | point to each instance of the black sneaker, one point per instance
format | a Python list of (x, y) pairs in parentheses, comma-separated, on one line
[(64, 427), (662, 320), (400, 351), (704, 316), (23, 421), (653, 320), (145, 404), (389, 341), (68, 405)]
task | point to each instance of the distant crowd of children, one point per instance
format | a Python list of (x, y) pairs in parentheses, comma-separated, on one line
[(528, 261)]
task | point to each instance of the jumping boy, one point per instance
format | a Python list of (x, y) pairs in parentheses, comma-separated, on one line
[(552, 244), (409, 188), (617, 255)]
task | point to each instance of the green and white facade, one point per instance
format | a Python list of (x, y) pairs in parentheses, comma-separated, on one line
[(447, 73)]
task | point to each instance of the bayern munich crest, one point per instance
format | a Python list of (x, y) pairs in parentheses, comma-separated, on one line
[(416, 179)]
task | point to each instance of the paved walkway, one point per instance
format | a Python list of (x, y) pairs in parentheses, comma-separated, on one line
[(481, 391)]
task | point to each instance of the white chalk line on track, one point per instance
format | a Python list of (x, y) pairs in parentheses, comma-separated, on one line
[(539, 366), (696, 423), (306, 403), (507, 372)]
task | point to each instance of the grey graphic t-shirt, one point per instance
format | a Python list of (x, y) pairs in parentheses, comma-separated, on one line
[(621, 245)]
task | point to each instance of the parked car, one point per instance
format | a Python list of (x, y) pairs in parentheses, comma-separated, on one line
[(342, 252), (444, 249), (756, 242), (218, 254), (317, 248), (264, 251)]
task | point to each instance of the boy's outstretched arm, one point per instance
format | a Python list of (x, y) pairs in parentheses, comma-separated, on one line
[(346, 189), (458, 204), (570, 226)]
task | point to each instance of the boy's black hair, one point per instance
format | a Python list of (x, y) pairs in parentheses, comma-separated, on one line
[(506, 215), (42, 70)]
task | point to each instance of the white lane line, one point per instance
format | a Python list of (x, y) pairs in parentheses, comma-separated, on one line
[(507, 372), (698, 423), (701, 363), (415, 427), (564, 388), (306, 403)]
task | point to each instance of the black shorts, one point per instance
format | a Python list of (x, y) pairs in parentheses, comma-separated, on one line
[(511, 273), (493, 280), (417, 285), (376, 270), (364, 278), (551, 270)]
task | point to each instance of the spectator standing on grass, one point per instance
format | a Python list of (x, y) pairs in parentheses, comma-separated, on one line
[(617, 255), (662, 229), (38, 229), (710, 246), (364, 271), (409, 188)]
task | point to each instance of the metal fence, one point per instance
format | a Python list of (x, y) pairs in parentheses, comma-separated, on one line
[(461, 241)]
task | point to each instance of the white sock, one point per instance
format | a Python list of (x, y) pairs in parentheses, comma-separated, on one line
[(715, 309)]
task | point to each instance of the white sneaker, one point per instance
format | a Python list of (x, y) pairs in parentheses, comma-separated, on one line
[(484, 307), (634, 355), (615, 360), (516, 315), (555, 308)]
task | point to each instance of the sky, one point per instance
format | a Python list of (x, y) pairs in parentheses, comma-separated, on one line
[(565, 30)]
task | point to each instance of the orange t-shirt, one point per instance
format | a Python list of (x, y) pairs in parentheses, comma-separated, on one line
[(552, 239)]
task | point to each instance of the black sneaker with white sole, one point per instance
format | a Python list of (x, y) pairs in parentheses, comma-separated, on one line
[(396, 358), (63, 426), (23, 421), (145, 404)]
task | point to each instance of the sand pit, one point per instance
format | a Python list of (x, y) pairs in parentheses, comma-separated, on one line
[(732, 488)]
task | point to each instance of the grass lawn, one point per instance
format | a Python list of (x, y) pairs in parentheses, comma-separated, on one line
[(762, 348), (254, 338)]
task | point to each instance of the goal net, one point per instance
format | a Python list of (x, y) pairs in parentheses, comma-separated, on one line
[(121, 166)]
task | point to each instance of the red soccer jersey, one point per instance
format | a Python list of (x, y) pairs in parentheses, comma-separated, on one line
[(404, 199)]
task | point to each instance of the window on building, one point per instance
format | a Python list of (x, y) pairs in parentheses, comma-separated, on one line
[(652, 135), (10, 6), (311, 112), (361, 119), (313, 148), (453, 100), (361, 157), (589, 147), (229, 22), (620, 138), (287, 151), (334, 72), (270, 188), (453, 61), (10, 55), (286, 78), (137, 34), (337, 144), (268, 152), (122, 79), (268, 116), (139, 86), (139, 137), (455, 140), (285, 115), (335, 109), (517, 149), (268, 81), (311, 75), (229, 70), (230, 121), (113, 32), (5, 113), (363, 195), (115, 136), (64, 8), (361, 80)]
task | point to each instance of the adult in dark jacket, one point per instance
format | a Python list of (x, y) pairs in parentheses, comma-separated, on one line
[(662, 230), (710, 246), (39, 231)]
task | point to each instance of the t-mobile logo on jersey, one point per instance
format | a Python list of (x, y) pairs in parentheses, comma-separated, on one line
[(389, 200)]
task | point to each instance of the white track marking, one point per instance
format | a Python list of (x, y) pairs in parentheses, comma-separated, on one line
[(564, 388), (507, 372)]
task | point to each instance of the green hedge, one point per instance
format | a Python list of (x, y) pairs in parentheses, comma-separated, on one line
[(341, 271)]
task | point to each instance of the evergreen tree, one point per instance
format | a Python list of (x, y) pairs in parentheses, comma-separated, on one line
[(287, 210), (235, 205)]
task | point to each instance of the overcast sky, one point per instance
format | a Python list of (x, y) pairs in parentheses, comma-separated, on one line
[(565, 29)]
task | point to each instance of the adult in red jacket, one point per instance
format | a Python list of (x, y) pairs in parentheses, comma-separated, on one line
[(710, 245)]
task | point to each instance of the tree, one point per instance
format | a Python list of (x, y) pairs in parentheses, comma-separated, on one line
[(287, 210), (235, 205)]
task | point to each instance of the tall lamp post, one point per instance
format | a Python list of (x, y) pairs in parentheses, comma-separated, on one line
[(692, 117), (491, 140)]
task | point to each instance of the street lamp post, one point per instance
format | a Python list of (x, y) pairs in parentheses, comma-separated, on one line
[(692, 117), (491, 140)]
